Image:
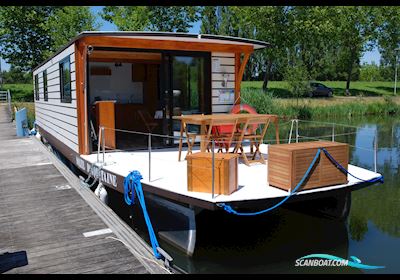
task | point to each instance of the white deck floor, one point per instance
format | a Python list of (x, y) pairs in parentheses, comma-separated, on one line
[(170, 174)]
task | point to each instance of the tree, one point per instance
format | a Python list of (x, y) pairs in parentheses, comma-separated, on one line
[(298, 77), (152, 18), (30, 34), (370, 73), (15, 76), (209, 20), (68, 22), (356, 29), (24, 35), (389, 38), (127, 18), (270, 24), (312, 29)]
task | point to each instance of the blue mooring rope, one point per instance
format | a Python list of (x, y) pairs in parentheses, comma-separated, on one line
[(338, 165), (131, 184), (229, 209)]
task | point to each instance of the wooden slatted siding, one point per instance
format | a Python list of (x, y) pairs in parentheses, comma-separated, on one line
[(60, 119), (227, 65)]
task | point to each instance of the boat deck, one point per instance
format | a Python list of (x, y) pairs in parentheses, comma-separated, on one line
[(169, 174), (47, 226)]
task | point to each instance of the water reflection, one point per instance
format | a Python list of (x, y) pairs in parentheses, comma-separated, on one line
[(374, 224), (269, 243)]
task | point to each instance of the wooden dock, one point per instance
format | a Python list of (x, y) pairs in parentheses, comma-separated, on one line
[(44, 214)]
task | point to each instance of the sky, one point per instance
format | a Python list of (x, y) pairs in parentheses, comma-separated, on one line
[(107, 26)]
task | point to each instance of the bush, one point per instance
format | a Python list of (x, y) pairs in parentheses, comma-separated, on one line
[(264, 103), (20, 92), (390, 106), (298, 79)]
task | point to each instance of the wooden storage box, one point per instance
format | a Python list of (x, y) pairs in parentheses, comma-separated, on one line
[(287, 164), (199, 172)]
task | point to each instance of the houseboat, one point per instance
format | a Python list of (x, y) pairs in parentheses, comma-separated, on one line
[(114, 102)]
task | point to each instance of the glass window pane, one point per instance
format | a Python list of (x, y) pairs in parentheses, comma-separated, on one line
[(45, 85), (65, 83)]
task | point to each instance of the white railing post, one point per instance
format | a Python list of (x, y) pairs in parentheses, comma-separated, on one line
[(99, 143), (376, 151), (297, 131), (290, 133), (149, 149), (104, 144), (333, 133), (212, 166)]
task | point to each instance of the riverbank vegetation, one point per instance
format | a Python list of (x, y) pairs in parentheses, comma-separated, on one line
[(311, 108)]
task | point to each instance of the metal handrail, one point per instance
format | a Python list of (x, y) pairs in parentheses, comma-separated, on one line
[(375, 150)]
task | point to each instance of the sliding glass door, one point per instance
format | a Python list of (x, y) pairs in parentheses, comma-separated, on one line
[(187, 86)]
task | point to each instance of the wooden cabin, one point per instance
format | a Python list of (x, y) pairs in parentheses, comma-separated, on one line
[(135, 81)]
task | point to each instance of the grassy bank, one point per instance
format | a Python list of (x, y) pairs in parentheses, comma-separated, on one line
[(24, 92), (20, 92), (30, 111), (357, 88), (312, 108), (368, 98)]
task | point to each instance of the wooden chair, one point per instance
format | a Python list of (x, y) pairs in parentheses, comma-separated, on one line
[(222, 132), (190, 139), (148, 120), (254, 137)]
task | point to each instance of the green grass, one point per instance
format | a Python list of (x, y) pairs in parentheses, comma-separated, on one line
[(20, 92), (357, 88)]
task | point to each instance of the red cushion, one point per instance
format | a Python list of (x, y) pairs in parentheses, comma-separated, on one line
[(223, 129)]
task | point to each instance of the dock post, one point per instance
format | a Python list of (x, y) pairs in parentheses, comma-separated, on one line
[(149, 149), (9, 102), (333, 133), (212, 166), (297, 131), (376, 150)]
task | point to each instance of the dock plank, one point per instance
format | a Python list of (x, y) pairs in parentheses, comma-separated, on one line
[(48, 223)]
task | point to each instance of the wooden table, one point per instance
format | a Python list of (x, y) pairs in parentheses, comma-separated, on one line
[(204, 120)]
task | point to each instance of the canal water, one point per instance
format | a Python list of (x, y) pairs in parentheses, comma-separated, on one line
[(271, 243)]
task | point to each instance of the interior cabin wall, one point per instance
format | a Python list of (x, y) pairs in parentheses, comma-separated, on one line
[(117, 84), (56, 117), (133, 87)]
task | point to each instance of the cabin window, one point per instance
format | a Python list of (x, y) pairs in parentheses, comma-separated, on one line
[(45, 92), (65, 80), (36, 87)]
